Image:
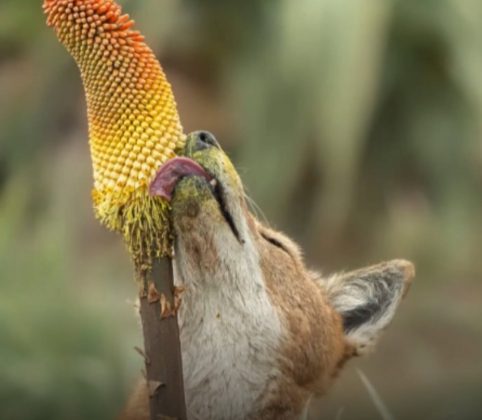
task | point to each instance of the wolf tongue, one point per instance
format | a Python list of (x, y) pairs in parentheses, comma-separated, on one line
[(170, 173)]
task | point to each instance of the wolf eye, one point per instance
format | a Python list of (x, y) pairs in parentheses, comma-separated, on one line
[(274, 242)]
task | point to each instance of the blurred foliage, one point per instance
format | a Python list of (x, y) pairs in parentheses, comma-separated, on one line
[(356, 127)]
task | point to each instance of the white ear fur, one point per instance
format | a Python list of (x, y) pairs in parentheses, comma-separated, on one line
[(368, 298)]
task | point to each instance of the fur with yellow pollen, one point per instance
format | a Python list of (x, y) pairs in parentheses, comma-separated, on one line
[(190, 192), (134, 126)]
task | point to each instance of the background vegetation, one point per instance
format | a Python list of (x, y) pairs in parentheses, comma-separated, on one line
[(356, 126)]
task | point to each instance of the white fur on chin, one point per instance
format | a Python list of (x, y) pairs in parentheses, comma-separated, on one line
[(230, 330)]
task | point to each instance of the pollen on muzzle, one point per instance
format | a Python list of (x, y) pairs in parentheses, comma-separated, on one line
[(134, 126)]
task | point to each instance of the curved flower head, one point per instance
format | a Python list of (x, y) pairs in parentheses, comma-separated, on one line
[(134, 126)]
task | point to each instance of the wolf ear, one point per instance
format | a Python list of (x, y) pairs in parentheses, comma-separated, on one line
[(367, 299)]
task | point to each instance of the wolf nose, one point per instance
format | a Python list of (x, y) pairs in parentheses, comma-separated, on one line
[(202, 140)]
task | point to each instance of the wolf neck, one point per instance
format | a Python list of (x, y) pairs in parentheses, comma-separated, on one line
[(229, 327)]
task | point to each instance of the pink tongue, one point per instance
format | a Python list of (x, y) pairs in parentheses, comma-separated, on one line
[(169, 174)]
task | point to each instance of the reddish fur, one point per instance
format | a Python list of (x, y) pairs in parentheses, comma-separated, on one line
[(315, 344)]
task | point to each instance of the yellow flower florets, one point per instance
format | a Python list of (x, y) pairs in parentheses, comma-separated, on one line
[(134, 126)]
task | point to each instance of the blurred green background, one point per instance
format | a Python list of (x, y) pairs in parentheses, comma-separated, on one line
[(356, 126)]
